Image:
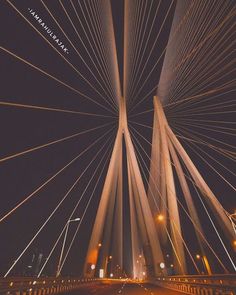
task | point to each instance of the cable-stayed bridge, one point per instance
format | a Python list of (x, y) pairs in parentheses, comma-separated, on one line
[(118, 159)]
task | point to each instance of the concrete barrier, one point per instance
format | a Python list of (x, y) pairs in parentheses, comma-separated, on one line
[(41, 286), (199, 285)]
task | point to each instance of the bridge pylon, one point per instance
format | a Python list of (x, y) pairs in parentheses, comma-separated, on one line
[(148, 237), (142, 224)]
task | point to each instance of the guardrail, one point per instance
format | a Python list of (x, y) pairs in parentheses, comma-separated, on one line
[(202, 285), (40, 286)]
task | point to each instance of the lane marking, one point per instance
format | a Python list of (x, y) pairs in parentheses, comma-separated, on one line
[(123, 286)]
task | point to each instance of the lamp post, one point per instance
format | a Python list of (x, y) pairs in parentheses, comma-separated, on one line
[(161, 218), (205, 263), (63, 244), (108, 259), (232, 218), (162, 267)]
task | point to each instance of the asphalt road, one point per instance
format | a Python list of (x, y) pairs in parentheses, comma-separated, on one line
[(123, 287)]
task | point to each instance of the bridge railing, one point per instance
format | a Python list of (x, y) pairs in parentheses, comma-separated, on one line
[(40, 286), (203, 285)]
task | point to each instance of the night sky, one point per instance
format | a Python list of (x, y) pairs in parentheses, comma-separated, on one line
[(22, 128)]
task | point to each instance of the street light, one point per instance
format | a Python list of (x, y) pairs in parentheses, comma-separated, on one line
[(93, 266), (64, 242), (199, 257), (162, 265), (108, 260), (160, 217), (232, 218), (205, 263)]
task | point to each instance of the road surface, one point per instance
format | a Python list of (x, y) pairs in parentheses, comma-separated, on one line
[(123, 288)]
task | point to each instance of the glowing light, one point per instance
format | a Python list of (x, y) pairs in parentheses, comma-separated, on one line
[(162, 265), (160, 217), (93, 266), (101, 273), (99, 245), (198, 256), (76, 219), (111, 275), (110, 257)]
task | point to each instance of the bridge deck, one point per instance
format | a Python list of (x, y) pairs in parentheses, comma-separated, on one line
[(207, 285), (123, 287)]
